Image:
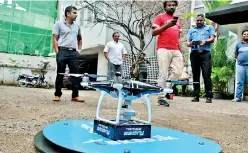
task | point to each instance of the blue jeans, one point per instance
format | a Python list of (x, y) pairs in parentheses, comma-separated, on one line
[(242, 78), (113, 69)]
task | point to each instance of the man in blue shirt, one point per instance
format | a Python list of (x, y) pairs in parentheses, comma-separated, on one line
[(241, 54), (199, 39)]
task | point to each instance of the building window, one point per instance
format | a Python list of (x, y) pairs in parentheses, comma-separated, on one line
[(198, 3), (198, 8), (82, 17), (86, 17), (89, 17)]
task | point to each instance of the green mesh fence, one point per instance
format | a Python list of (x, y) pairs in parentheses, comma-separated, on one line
[(26, 26)]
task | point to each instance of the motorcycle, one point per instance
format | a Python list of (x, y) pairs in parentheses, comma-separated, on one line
[(25, 80), (37, 79)]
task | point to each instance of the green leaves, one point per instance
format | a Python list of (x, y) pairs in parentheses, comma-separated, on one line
[(213, 4), (220, 77), (189, 15), (223, 68)]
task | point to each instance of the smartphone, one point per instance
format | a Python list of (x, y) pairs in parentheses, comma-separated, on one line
[(196, 42), (175, 18)]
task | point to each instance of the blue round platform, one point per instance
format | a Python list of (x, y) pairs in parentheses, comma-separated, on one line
[(77, 135)]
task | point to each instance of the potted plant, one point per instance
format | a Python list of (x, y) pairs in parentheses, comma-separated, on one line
[(223, 68), (220, 78)]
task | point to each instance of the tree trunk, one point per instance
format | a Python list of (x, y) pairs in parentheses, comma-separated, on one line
[(142, 45)]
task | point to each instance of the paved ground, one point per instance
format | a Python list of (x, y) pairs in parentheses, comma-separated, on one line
[(25, 111)]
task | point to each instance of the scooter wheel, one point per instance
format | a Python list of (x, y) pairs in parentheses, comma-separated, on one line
[(47, 86), (22, 84)]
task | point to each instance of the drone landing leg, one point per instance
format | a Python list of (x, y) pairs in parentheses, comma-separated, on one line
[(147, 100), (99, 104), (120, 101)]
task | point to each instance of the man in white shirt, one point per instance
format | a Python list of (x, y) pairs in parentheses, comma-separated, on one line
[(115, 53)]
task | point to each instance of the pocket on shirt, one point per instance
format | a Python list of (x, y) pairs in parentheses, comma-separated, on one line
[(194, 35), (63, 32), (205, 33)]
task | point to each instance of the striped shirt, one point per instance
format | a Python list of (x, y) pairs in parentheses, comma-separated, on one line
[(143, 66)]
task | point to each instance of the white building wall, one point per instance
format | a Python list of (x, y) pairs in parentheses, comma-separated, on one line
[(238, 1), (8, 75)]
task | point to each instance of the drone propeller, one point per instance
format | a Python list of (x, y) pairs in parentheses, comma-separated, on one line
[(85, 74), (70, 74), (140, 83), (177, 82), (97, 76)]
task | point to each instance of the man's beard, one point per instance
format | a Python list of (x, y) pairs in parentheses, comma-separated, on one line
[(171, 12), (200, 25)]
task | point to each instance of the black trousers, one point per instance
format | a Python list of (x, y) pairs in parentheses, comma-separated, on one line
[(142, 76), (175, 91), (63, 58), (202, 62)]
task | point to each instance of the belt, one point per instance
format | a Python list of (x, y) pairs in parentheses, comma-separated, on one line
[(67, 48), (200, 50)]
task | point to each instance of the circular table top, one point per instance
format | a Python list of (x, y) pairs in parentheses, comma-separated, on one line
[(77, 135)]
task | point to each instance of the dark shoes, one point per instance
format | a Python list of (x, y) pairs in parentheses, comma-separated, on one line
[(184, 94), (162, 101), (196, 99), (209, 100)]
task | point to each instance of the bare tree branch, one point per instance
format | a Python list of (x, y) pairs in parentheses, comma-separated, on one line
[(131, 18)]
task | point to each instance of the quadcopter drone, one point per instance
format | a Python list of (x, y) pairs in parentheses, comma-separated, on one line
[(125, 90)]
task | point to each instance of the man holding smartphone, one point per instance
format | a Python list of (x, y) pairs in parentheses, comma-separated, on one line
[(168, 29), (199, 39)]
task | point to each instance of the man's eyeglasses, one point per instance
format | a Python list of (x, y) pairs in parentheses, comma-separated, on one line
[(199, 20)]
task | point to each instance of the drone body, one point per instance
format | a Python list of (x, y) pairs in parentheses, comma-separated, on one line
[(125, 91), (123, 126)]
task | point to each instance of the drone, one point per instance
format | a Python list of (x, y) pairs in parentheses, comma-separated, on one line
[(125, 91)]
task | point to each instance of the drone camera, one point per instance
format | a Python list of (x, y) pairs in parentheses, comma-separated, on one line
[(118, 74)]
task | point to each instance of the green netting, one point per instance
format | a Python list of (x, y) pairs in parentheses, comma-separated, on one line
[(26, 26)]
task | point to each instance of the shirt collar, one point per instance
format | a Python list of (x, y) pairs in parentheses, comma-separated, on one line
[(243, 42), (201, 27), (67, 23)]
